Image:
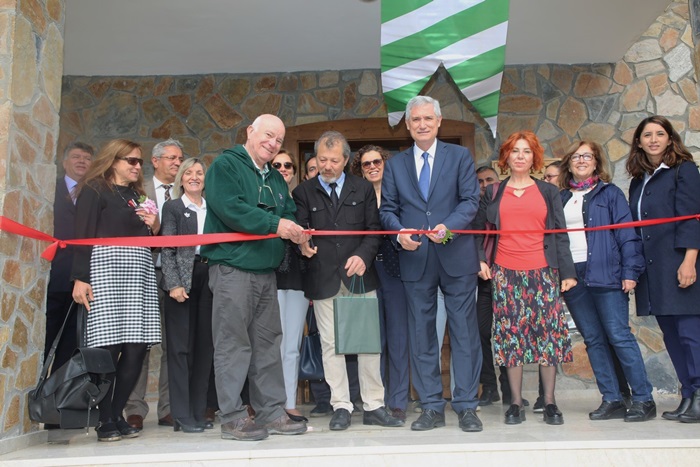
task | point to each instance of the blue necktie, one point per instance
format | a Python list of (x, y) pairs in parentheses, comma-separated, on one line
[(424, 177)]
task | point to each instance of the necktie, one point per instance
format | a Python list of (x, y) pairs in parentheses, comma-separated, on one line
[(167, 191), (334, 196), (424, 177)]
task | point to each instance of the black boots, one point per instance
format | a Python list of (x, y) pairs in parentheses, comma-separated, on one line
[(692, 414)]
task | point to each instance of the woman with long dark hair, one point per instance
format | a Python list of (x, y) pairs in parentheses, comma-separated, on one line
[(666, 183), (116, 284)]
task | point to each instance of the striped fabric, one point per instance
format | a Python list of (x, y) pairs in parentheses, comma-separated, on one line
[(467, 36)]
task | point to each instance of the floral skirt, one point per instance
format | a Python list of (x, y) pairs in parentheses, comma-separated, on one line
[(528, 318)]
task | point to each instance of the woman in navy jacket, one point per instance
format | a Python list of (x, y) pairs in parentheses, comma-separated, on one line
[(608, 264), (666, 183)]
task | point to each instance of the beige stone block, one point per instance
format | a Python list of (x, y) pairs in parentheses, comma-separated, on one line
[(329, 97), (34, 12), (572, 115), (9, 358), (653, 340), (145, 86), (12, 414), (581, 366), (520, 104), (28, 373), (617, 149), (303, 120), (99, 87), (124, 84), (52, 65), (367, 105), (694, 118), (55, 10), (289, 82), (671, 104), (328, 78), (24, 66), (544, 71), (560, 146), (222, 114), (306, 104), (671, 19), (509, 124), (163, 86), (368, 84), (507, 86), (25, 124), (43, 113), (171, 128), (669, 39), (19, 334), (26, 151), (635, 97), (181, 103), (234, 90), (8, 304), (598, 132), (562, 77), (37, 292), (262, 104), (658, 84), (350, 96), (8, 4), (6, 28), (649, 68), (591, 85), (623, 73), (265, 84), (553, 109), (530, 81), (308, 81), (687, 36), (217, 142), (681, 9)]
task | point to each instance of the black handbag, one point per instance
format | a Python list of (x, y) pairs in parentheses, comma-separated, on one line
[(310, 360), (69, 397)]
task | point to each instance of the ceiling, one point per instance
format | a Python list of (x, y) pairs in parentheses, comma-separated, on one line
[(182, 37)]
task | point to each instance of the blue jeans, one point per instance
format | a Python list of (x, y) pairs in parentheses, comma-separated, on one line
[(602, 316)]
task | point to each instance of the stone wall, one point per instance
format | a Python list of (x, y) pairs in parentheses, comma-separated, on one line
[(562, 103), (31, 66)]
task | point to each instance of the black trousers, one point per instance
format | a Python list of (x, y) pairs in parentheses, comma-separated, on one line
[(190, 347), (57, 305)]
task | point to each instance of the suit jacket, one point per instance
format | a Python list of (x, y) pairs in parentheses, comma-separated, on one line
[(669, 193), (453, 200), (63, 229), (150, 190), (177, 263), (358, 211)]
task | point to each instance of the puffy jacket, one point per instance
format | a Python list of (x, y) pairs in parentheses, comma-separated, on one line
[(613, 255)]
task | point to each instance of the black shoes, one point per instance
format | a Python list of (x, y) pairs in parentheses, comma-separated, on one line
[(488, 397), (552, 415), (381, 417), (321, 410), (187, 426), (469, 421), (609, 410), (340, 420), (428, 420), (108, 431), (682, 408), (515, 415), (539, 405), (692, 414), (641, 411)]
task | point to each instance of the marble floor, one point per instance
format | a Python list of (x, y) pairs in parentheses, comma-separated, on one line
[(579, 442)]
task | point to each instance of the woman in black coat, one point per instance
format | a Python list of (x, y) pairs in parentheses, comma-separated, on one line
[(189, 302), (666, 183)]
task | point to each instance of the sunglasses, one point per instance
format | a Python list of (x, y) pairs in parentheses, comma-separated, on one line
[(132, 160), (287, 165), (375, 162)]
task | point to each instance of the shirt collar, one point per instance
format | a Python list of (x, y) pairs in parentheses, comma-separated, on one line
[(157, 183), (327, 186), (188, 202), (418, 152)]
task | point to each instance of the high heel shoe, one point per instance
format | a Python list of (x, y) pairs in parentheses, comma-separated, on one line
[(187, 426), (126, 430)]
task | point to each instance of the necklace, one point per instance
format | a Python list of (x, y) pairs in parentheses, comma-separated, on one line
[(131, 203)]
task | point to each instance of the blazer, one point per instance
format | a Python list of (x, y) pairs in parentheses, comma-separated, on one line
[(668, 193), (63, 229), (453, 200), (357, 211), (556, 246), (177, 263)]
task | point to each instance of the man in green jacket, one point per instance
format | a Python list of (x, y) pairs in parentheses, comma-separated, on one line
[(244, 194)]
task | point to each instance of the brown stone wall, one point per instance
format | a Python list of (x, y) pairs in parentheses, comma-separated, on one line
[(31, 66), (562, 103)]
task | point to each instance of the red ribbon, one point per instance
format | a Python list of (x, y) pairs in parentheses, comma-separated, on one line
[(10, 226)]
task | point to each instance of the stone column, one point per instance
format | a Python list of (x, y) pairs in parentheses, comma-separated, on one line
[(31, 67)]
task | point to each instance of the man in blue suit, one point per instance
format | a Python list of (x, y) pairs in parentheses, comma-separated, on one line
[(433, 186)]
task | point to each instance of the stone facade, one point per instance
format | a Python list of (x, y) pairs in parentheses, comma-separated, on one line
[(562, 103), (31, 66)]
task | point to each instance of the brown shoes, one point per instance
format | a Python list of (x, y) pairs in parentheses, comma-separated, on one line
[(135, 421), (243, 429), (285, 426), (166, 421)]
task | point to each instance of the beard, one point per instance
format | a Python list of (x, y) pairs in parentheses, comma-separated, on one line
[(327, 179)]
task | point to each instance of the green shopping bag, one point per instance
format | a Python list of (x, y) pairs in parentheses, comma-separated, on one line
[(356, 322)]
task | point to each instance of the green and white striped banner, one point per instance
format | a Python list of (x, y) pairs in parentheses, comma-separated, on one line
[(467, 36)]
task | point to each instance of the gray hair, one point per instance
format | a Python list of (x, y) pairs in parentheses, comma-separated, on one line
[(177, 190), (329, 139), (422, 100), (78, 145), (159, 149)]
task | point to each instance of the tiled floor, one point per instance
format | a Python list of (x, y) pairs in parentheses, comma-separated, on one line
[(578, 442)]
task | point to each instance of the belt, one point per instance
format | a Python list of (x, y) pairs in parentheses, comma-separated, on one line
[(201, 259)]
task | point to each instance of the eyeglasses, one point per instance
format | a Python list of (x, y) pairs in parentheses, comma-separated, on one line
[(172, 158), (132, 160), (585, 156), (266, 199), (375, 162), (549, 177), (278, 165)]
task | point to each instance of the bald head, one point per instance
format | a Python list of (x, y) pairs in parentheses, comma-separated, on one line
[(265, 138)]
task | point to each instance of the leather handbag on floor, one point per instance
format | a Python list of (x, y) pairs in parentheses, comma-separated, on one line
[(70, 395), (310, 358), (356, 322)]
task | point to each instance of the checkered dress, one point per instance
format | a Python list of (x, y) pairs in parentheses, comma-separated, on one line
[(125, 309)]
